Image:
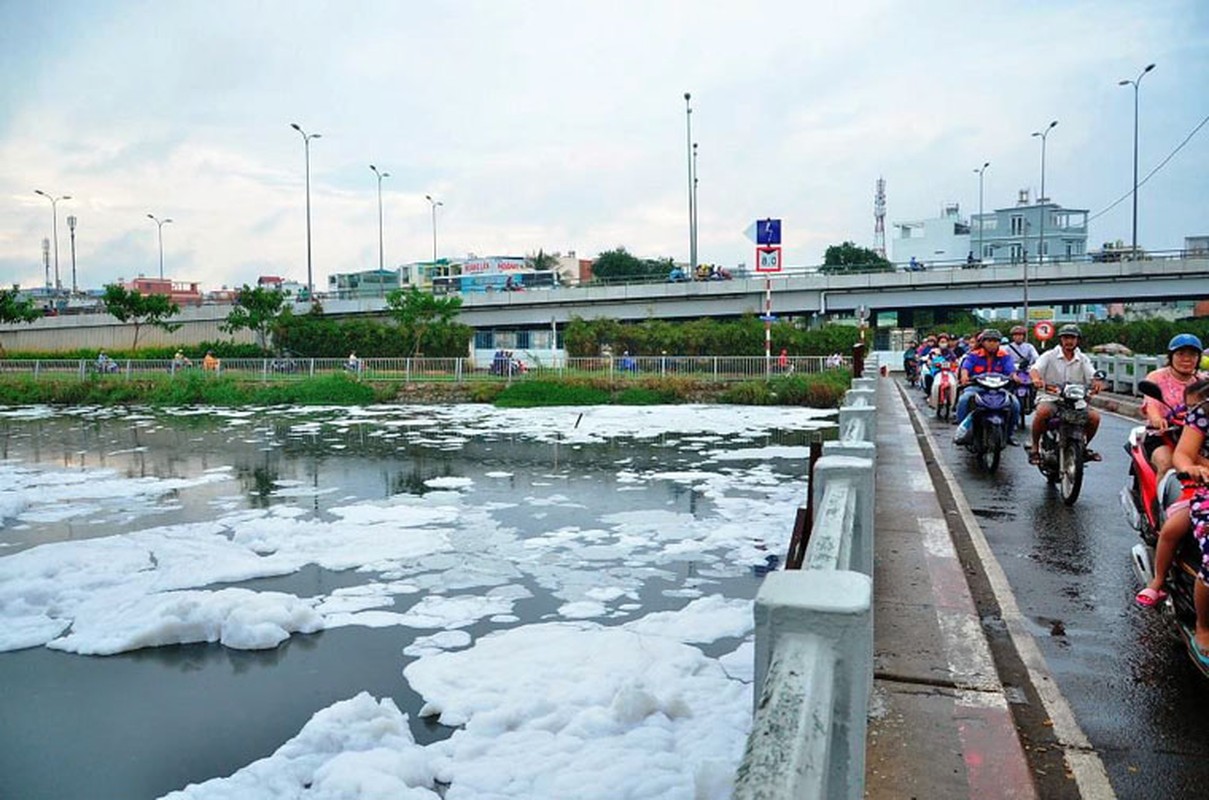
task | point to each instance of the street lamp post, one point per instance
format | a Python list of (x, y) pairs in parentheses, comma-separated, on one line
[(434, 204), (71, 226), (1136, 82), (306, 144), (380, 175), (692, 218), (1044, 134), (696, 205), (159, 224), (54, 210), (981, 221)]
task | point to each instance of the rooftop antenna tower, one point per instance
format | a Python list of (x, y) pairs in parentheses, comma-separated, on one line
[(46, 260), (879, 218)]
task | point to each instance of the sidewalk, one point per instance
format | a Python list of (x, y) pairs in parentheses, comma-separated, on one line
[(940, 726)]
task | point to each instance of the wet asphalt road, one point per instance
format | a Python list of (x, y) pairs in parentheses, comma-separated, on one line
[(1129, 683)]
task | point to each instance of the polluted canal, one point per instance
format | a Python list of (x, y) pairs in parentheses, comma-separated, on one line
[(403, 601)]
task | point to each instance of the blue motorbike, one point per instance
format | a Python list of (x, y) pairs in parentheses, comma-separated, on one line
[(991, 416)]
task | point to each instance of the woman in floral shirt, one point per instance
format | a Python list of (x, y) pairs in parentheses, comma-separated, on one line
[(1192, 457)]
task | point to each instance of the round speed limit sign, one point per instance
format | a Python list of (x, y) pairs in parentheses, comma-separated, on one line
[(1044, 330)]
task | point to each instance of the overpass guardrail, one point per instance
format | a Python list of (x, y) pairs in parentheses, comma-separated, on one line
[(814, 633)]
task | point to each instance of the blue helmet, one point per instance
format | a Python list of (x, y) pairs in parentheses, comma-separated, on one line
[(1182, 340)]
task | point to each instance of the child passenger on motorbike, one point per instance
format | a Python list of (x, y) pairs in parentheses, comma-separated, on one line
[(941, 353), (1183, 355), (1064, 364), (1191, 456), (986, 357)]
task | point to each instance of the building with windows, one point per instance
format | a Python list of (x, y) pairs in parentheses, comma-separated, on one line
[(931, 241), (1030, 231), (183, 293), (369, 283)]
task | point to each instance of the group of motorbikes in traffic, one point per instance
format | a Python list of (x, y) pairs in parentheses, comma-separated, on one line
[(988, 389)]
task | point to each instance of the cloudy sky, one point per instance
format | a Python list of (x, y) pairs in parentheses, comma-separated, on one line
[(561, 125)]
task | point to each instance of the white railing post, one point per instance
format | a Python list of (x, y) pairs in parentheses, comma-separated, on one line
[(843, 525), (808, 740)]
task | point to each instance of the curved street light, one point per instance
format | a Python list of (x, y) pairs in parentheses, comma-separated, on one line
[(434, 204), (981, 221), (692, 217), (696, 205), (380, 175), (160, 223), (306, 144), (54, 210), (1043, 134), (1136, 82)]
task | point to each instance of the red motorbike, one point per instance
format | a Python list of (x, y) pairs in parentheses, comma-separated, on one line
[(944, 387), (1145, 499)]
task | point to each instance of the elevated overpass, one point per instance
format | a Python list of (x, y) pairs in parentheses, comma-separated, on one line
[(1159, 278), (1001, 285)]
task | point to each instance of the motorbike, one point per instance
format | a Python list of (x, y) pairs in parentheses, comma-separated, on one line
[(1145, 498), (944, 389), (990, 415), (284, 363), (1025, 392), (1063, 444), (911, 368)]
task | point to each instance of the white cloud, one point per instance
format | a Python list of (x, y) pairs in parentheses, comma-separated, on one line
[(561, 126)]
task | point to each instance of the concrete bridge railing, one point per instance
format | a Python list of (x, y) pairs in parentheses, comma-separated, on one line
[(1124, 372), (814, 633)]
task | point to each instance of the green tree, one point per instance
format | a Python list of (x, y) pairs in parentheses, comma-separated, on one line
[(14, 308), (139, 309), (256, 309), (847, 257), (618, 264), (417, 312), (543, 261)]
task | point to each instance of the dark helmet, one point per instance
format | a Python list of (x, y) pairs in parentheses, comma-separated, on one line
[(990, 333), (1018, 329), (1070, 329), (1183, 340)]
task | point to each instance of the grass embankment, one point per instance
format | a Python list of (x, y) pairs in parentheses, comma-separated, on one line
[(823, 390), (192, 389)]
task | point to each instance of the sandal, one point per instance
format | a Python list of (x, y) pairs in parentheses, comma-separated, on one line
[(1034, 458), (1149, 598), (1091, 455)]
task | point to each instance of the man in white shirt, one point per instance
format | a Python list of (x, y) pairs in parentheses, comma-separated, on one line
[(1064, 364)]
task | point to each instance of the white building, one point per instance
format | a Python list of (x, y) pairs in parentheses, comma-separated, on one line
[(943, 239)]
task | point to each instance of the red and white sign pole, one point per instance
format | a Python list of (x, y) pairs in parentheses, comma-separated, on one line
[(767, 325), (768, 260)]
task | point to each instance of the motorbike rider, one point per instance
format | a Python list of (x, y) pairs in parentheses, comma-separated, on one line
[(1195, 461), (1022, 350), (986, 357), (942, 352), (1189, 457), (911, 361), (1183, 356), (1066, 363)]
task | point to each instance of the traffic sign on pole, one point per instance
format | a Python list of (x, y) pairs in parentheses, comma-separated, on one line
[(768, 231), (1044, 330), (768, 258)]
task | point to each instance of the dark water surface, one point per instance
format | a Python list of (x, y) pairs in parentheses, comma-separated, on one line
[(140, 724)]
